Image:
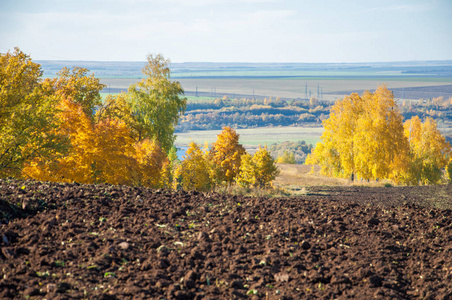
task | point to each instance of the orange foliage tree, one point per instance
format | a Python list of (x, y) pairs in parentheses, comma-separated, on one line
[(152, 162), (102, 152)]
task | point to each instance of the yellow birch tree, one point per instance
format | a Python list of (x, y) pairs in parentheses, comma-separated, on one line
[(226, 154), (194, 170), (257, 170), (429, 151), (363, 138)]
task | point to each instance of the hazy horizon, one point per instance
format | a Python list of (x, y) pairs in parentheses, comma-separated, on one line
[(246, 62)]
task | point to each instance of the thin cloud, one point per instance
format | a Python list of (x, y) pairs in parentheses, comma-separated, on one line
[(415, 7)]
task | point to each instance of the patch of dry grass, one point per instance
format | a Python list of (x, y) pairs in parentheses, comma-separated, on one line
[(295, 178)]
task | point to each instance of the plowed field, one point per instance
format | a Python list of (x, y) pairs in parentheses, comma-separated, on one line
[(71, 241)]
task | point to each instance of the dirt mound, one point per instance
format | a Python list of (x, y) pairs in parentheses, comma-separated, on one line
[(106, 242)]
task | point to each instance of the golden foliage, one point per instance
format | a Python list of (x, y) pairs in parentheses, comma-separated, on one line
[(151, 164), (381, 151), (102, 152), (194, 171), (363, 137), (286, 158), (266, 170), (78, 87), (449, 171), (429, 151), (117, 107), (247, 174), (225, 154), (27, 109), (259, 170)]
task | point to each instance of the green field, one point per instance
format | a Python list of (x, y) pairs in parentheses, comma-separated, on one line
[(252, 137)]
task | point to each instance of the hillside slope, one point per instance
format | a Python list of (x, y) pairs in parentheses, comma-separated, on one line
[(99, 241)]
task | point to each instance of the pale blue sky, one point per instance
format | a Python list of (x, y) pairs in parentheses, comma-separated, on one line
[(229, 30)]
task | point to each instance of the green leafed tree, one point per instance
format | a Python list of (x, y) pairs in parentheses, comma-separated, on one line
[(157, 103)]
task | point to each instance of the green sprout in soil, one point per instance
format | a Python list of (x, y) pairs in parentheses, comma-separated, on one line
[(59, 263), (93, 267), (43, 274)]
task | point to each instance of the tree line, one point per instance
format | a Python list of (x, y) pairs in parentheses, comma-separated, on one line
[(365, 137), (226, 162), (59, 129), (214, 114), (244, 113)]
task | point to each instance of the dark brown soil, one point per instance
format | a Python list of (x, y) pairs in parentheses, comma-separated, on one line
[(105, 242)]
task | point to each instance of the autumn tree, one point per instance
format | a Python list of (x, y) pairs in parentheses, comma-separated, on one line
[(118, 107), (27, 109), (152, 161), (257, 170), (156, 102), (363, 138), (98, 152), (77, 86), (194, 171), (102, 152), (381, 150), (335, 154), (286, 158), (225, 154), (449, 171), (429, 152)]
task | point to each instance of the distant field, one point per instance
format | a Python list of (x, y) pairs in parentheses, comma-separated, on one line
[(327, 81), (330, 88), (255, 136)]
